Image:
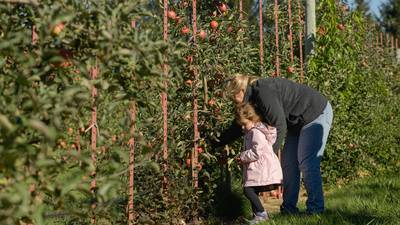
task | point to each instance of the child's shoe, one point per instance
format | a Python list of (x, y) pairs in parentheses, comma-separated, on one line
[(259, 217)]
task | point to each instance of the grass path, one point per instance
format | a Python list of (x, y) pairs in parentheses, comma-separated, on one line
[(370, 201)]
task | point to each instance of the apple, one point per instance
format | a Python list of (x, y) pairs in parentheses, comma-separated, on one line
[(189, 59), (188, 162), (82, 129), (290, 69), (199, 166), (171, 15), (185, 30), (199, 150), (222, 8), (202, 35), (57, 29), (214, 25), (189, 82), (211, 102), (229, 29)]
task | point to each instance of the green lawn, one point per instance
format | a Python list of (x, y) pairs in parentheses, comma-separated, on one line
[(369, 201)]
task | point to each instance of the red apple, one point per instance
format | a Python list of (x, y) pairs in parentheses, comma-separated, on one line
[(202, 34), (188, 82), (290, 69), (222, 8), (188, 162), (185, 30), (229, 29), (171, 15), (199, 150), (214, 25), (211, 102), (189, 59)]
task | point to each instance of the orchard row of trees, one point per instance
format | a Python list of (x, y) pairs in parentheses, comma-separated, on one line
[(63, 60)]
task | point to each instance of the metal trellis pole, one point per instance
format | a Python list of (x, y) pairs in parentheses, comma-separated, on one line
[(310, 27)]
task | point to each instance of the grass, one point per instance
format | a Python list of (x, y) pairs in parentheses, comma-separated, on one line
[(370, 201)]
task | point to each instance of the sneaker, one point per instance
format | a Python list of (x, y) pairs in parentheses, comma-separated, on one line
[(258, 217)]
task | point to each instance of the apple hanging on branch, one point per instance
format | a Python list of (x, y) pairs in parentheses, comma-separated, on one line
[(171, 15), (290, 69), (214, 25), (57, 29), (185, 30), (202, 35), (222, 7)]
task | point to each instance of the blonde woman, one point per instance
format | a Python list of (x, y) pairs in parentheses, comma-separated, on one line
[(261, 167), (303, 117)]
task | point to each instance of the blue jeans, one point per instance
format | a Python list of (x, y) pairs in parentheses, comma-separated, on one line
[(302, 153)]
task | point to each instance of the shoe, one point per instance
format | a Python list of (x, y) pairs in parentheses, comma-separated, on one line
[(311, 213), (287, 211), (258, 217)]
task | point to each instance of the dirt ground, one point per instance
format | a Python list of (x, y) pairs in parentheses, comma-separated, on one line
[(272, 200)]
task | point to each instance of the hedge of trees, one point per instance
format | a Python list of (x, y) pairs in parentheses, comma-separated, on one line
[(50, 50)]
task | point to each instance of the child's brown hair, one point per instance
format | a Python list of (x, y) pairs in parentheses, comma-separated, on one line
[(246, 111)]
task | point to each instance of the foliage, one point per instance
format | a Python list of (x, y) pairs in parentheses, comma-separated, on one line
[(360, 87), (390, 12), (46, 104)]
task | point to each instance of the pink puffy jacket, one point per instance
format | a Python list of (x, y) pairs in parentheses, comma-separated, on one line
[(261, 166)]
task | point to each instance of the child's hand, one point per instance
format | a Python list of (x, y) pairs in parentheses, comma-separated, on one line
[(238, 160)]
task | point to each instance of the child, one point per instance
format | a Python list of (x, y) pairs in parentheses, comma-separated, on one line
[(261, 167)]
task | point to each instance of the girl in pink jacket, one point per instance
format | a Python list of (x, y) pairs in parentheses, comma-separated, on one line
[(261, 167)]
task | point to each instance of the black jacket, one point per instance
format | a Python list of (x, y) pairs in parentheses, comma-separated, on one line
[(281, 103)]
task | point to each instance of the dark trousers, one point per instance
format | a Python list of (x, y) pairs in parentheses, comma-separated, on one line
[(252, 193)]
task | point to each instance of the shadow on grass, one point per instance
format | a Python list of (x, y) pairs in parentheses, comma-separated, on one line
[(230, 204)]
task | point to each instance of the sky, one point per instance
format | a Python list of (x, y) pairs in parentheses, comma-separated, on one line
[(373, 4)]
